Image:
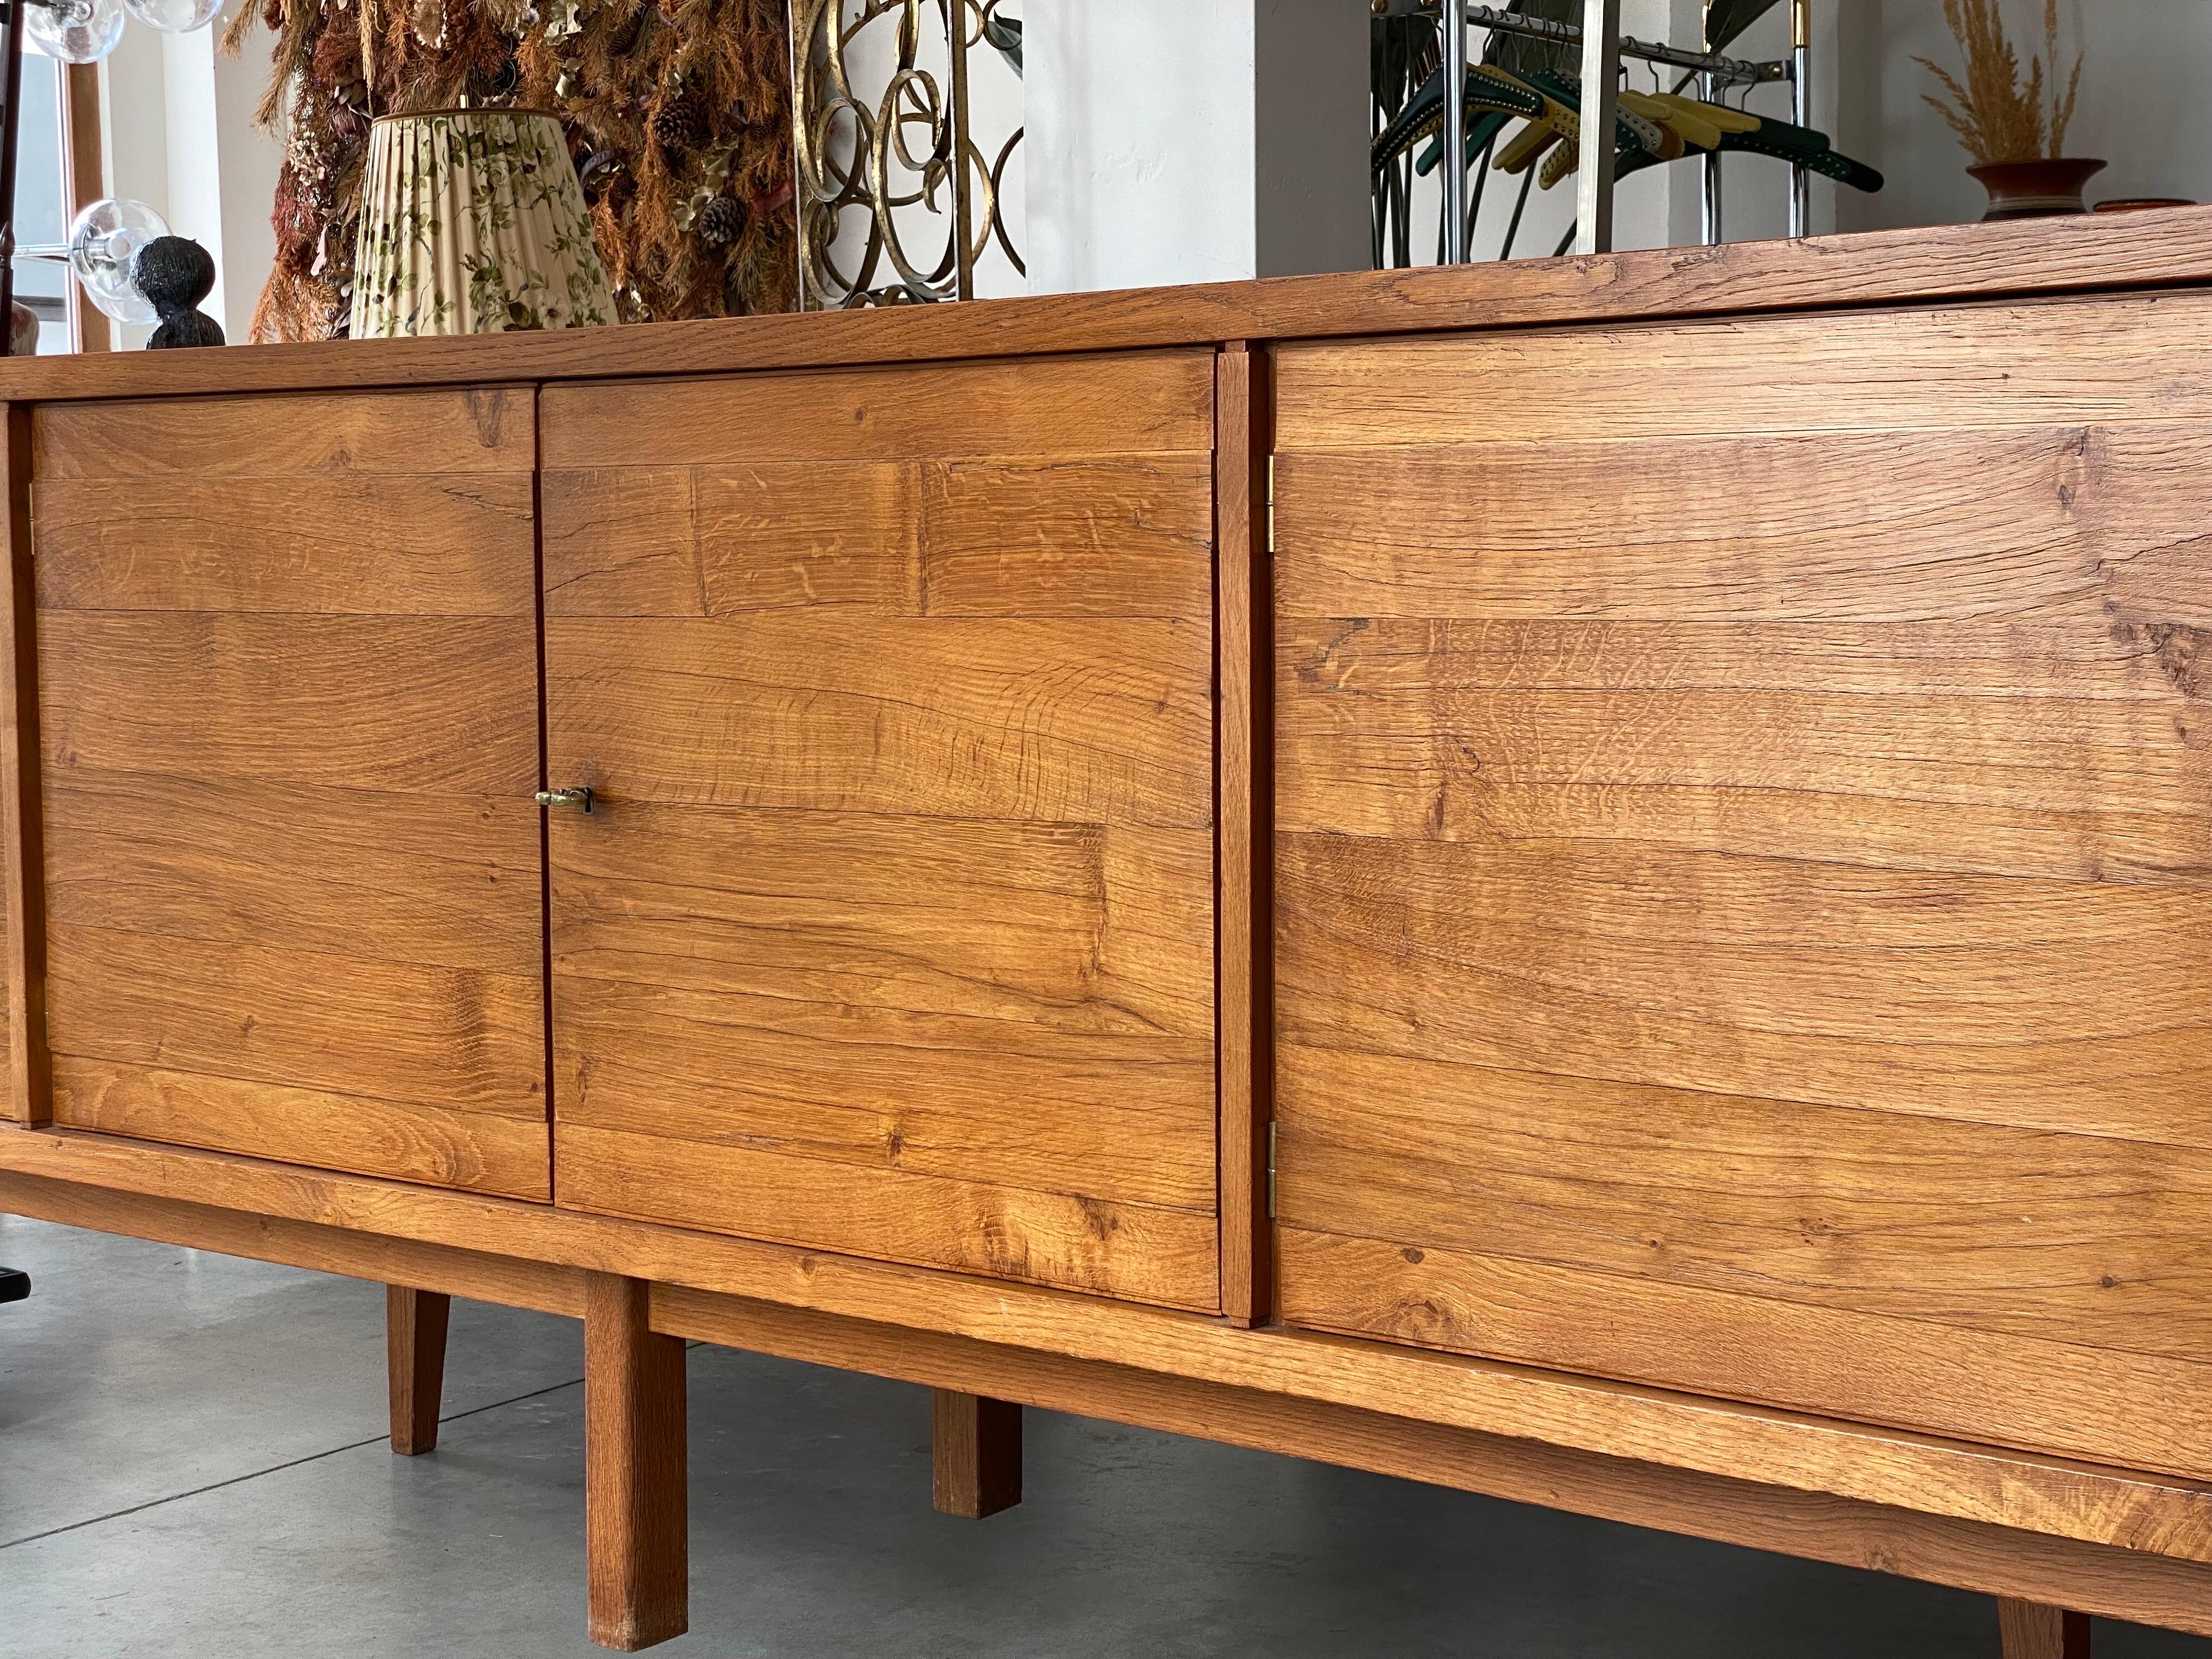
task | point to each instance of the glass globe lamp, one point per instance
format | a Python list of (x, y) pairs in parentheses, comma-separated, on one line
[(103, 243), (174, 16), (75, 30)]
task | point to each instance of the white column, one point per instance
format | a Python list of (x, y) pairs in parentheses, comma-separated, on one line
[(1309, 163), (179, 131)]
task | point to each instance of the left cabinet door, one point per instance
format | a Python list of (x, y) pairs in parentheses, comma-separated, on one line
[(289, 700)]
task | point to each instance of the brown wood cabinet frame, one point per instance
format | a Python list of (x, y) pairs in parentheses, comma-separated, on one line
[(2033, 1528)]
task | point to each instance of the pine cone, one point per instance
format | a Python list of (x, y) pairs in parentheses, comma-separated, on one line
[(681, 126), (625, 38), (722, 221)]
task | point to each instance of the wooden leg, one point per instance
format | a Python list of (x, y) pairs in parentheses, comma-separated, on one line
[(976, 1454), (635, 1500), (415, 1359), (2028, 1630)]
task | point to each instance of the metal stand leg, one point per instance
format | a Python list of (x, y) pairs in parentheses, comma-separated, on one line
[(1601, 99), (1454, 133), (1710, 180), (1801, 111)]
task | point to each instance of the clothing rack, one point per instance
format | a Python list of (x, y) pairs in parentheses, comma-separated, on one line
[(1726, 71), (1603, 47)]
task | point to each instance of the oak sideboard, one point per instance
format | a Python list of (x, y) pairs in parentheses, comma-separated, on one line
[(1587, 880)]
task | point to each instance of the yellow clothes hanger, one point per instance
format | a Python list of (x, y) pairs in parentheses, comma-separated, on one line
[(1687, 126), (1531, 141), (1717, 115), (1568, 159)]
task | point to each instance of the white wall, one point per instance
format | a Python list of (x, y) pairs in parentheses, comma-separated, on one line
[(2142, 104), (1194, 141), (1139, 114)]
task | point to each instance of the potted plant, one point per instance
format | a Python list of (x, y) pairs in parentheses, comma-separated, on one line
[(2012, 125)]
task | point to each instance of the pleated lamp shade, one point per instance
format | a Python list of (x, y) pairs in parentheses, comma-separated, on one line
[(472, 222)]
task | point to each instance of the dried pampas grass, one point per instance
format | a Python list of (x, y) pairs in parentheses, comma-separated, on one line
[(1998, 116)]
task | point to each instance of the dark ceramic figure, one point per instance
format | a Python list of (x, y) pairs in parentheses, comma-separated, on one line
[(176, 273)]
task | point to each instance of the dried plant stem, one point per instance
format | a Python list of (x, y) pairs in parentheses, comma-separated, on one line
[(1998, 114)]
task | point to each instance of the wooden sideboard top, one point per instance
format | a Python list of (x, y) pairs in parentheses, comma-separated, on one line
[(2153, 248)]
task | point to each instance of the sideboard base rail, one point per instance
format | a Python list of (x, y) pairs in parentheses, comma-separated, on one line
[(2009, 1562)]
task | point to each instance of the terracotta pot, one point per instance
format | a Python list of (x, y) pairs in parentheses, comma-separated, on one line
[(2035, 190)]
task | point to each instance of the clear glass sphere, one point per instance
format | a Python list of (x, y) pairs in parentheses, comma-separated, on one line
[(103, 243), (75, 30), (176, 16)]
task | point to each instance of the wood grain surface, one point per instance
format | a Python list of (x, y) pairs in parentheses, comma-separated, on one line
[(1245, 787), (414, 1326), (892, 929), (28, 1097), (636, 1494), (290, 742), (2115, 1582), (1017, 1360), (975, 1453), (1746, 834), (135, 1186), (2162, 247), (2032, 1629)]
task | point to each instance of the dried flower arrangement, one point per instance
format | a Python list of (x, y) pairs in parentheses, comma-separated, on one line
[(1998, 116), (677, 112)]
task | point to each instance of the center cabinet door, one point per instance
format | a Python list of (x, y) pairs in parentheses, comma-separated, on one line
[(890, 929)]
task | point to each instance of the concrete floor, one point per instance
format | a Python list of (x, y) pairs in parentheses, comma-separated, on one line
[(192, 1464)]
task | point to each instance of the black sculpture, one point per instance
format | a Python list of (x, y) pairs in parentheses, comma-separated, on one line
[(176, 273)]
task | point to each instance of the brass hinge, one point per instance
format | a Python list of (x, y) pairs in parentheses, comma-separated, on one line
[(1270, 503), (1271, 1172)]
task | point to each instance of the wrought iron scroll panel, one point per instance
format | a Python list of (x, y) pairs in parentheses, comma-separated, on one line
[(876, 168)]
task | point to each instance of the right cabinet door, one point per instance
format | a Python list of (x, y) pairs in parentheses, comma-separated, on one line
[(1745, 892), (891, 932)]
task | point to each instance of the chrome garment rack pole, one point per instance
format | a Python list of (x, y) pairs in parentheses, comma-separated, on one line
[(1709, 178), (1801, 111), (1455, 226), (1600, 101)]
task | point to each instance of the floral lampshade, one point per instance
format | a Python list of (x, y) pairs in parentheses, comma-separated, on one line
[(472, 222)]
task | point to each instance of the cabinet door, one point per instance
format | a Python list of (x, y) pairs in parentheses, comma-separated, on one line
[(890, 930), (1746, 860), (289, 661)]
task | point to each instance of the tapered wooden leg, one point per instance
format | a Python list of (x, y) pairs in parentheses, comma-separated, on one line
[(415, 1360), (976, 1454), (2029, 1630), (634, 1501)]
